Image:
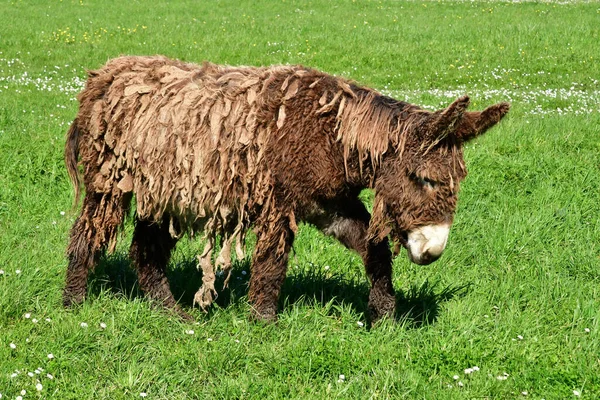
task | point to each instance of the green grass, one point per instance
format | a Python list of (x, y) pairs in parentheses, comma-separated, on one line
[(517, 291)]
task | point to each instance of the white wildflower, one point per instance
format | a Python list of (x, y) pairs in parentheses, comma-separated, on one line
[(102, 325), (39, 387), (18, 271), (84, 325), (469, 371), (359, 323), (50, 356), (587, 330), (62, 213), (30, 374), (49, 376), (209, 339), (19, 398), (576, 393), (27, 315), (190, 332), (23, 392), (520, 337), (460, 384), (341, 378), (475, 368), (34, 320), (524, 393), (143, 394), (13, 346)]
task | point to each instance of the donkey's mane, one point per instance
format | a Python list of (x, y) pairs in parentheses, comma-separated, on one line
[(370, 122)]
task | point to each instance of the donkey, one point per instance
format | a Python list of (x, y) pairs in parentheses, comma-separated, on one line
[(222, 149)]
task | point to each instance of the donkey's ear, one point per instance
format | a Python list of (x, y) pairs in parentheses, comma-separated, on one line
[(475, 123), (455, 111)]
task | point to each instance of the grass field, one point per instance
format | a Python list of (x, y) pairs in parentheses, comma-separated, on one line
[(516, 294)]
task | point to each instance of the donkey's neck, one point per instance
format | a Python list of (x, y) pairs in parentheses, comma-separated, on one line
[(360, 174)]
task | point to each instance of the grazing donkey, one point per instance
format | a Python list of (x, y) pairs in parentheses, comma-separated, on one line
[(222, 149)]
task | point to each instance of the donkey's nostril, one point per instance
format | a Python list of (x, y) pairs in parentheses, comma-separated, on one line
[(428, 257)]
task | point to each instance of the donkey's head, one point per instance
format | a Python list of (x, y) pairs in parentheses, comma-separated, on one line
[(417, 185)]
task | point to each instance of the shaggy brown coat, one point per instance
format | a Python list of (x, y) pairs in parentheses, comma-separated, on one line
[(222, 149)]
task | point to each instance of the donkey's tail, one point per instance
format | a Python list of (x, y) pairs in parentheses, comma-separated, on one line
[(71, 156)]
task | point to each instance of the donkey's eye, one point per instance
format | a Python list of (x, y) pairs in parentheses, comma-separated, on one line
[(427, 183), (424, 182)]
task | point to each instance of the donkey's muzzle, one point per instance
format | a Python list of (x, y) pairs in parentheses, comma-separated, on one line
[(427, 243)]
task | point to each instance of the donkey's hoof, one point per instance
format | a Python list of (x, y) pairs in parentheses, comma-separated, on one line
[(171, 308), (183, 315), (381, 306), (268, 316), (71, 300)]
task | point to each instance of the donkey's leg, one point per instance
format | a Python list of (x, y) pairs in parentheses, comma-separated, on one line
[(348, 221), (378, 264), (80, 252), (100, 218), (150, 252), (269, 265)]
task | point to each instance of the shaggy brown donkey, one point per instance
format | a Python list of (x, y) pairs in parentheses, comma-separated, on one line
[(222, 149)]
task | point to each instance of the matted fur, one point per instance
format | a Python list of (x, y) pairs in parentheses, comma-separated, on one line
[(218, 149), (370, 130)]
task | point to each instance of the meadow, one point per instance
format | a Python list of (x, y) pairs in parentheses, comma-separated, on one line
[(511, 310)]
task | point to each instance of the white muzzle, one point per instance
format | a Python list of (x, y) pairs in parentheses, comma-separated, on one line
[(427, 243)]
